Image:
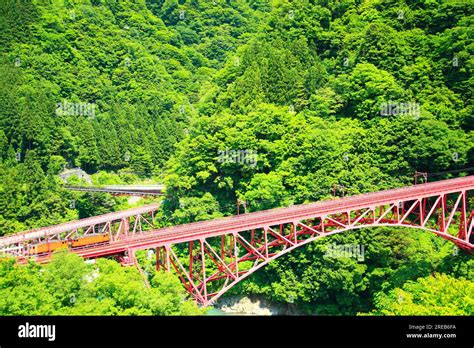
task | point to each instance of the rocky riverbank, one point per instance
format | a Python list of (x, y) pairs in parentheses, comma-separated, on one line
[(254, 305)]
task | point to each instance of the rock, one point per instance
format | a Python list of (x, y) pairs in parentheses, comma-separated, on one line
[(253, 305)]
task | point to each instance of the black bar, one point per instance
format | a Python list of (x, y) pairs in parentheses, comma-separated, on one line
[(290, 331)]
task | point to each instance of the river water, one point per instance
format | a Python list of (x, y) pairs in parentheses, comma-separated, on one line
[(218, 312)]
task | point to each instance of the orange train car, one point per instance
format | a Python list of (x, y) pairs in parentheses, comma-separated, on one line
[(91, 239), (47, 247), (70, 243)]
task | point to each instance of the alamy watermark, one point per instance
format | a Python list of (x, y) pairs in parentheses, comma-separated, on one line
[(355, 251), (400, 108), (75, 109), (238, 156), (37, 331)]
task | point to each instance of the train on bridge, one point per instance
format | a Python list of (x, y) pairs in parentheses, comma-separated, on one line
[(70, 244), (80, 234)]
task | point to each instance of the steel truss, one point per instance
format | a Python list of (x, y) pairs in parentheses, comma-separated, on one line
[(208, 267), (118, 226), (212, 256)]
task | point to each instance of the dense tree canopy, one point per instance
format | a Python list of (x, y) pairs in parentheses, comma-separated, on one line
[(269, 102), (433, 295), (67, 286)]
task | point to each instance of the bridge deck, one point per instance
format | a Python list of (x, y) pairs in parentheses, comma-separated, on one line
[(244, 222), (205, 229)]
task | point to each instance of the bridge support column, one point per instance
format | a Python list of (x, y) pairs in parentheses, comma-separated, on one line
[(463, 221), (442, 227), (132, 261), (163, 258), (203, 270)]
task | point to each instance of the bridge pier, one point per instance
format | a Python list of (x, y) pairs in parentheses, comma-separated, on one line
[(162, 259)]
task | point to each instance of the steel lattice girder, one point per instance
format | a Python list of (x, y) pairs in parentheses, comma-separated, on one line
[(218, 258), (118, 225)]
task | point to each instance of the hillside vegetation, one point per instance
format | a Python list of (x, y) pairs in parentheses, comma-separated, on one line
[(269, 102)]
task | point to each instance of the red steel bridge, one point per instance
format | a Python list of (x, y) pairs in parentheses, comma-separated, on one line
[(212, 256)]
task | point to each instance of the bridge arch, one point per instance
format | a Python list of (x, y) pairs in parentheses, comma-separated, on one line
[(262, 264), (265, 242)]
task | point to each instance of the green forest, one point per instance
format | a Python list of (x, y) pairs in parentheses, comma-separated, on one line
[(329, 98)]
